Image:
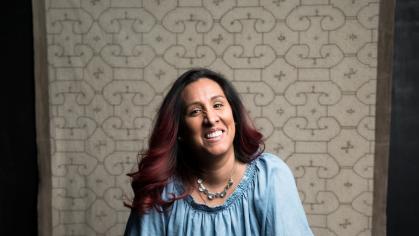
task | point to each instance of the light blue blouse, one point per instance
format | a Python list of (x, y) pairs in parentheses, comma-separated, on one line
[(265, 202)]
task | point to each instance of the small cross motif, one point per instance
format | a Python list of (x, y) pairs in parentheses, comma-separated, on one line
[(127, 160), (160, 74), (281, 37), (93, 2), (347, 184), (347, 147), (101, 215), (96, 109), (352, 36), (96, 38), (280, 75), (218, 39), (278, 2), (217, 2), (350, 111), (350, 73), (345, 224), (100, 144), (97, 73), (159, 38), (278, 147)]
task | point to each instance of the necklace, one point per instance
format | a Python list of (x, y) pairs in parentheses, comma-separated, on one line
[(213, 195)]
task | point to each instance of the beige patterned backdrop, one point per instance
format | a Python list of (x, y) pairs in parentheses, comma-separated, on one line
[(306, 70)]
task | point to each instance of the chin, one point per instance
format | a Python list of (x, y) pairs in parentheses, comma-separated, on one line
[(218, 151), (215, 149)]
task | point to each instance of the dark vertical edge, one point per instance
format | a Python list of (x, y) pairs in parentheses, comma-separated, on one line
[(382, 118), (42, 118)]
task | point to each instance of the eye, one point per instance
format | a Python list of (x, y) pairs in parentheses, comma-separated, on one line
[(218, 105), (195, 111)]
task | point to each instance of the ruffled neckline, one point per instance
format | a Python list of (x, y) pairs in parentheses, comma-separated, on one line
[(241, 188)]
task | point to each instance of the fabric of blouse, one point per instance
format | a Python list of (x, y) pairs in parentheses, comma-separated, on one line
[(266, 202)]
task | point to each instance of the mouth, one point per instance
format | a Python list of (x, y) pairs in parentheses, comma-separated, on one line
[(214, 134)]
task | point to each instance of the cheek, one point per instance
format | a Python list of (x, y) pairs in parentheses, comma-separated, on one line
[(233, 128), (231, 123), (193, 127)]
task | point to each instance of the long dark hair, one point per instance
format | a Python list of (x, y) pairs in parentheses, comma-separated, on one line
[(166, 155)]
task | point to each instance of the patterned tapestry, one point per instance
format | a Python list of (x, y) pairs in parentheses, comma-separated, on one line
[(306, 70)]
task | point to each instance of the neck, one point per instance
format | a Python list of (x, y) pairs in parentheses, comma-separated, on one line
[(218, 170)]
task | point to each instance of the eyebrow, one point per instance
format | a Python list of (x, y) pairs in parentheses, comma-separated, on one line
[(212, 98)]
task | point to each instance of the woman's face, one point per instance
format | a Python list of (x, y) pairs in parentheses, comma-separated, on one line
[(208, 118)]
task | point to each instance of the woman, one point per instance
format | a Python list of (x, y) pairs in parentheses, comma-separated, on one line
[(205, 172)]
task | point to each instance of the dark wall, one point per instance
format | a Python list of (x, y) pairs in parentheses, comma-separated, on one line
[(18, 168), (403, 189)]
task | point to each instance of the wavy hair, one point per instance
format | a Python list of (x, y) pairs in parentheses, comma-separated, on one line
[(167, 156)]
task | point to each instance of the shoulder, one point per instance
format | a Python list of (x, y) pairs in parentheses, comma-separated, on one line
[(277, 195), (273, 172), (173, 187), (272, 165)]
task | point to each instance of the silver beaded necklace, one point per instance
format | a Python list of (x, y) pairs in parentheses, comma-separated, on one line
[(213, 195)]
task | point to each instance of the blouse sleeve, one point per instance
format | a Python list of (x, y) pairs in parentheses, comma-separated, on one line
[(285, 214), (152, 223)]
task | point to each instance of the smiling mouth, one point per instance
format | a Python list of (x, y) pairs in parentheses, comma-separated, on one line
[(214, 135)]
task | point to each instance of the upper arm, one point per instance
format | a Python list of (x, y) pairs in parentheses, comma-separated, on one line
[(152, 223), (132, 227), (285, 213)]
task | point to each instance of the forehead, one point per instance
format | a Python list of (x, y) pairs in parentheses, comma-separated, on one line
[(202, 89)]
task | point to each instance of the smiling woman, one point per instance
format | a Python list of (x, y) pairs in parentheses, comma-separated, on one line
[(210, 131), (208, 119), (205, 172)]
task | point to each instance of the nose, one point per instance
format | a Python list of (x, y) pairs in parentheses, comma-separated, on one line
[(211, 117)]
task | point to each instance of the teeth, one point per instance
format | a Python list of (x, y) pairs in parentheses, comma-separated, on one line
[(214, 134)]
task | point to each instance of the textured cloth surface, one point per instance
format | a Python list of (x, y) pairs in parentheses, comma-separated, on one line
[(306, 72), (266, 202)]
